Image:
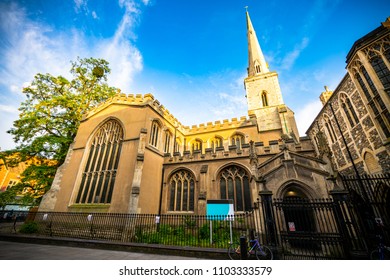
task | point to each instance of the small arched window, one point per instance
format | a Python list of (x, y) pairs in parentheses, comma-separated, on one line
[(216, 142), (167, 141), (197, 145), (264, 99), (154, 134), (237, 140)]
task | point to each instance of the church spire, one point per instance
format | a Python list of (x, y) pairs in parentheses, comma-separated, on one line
[(257, 64)]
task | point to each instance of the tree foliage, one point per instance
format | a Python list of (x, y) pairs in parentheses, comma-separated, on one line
[(50, 116)]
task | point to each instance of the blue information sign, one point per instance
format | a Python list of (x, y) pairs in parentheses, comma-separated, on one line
[(222, 209)]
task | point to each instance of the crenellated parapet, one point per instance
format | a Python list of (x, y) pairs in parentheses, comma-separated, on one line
[(149, 100), (271, 148), (224, 124), (137, 100)]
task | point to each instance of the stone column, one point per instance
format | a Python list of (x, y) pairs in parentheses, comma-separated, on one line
[(269, 217), (136, 184), (49, 200)]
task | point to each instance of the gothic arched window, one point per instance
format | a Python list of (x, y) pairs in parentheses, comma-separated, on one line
[(374, 100), (381, 70), (234, 185), (181, 191), (154, 134), (99, 175), (349, 111)]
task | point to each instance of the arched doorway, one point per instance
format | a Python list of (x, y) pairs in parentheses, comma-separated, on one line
[(299, 217)]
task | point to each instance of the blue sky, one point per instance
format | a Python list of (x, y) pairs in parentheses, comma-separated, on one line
[(191, 55)]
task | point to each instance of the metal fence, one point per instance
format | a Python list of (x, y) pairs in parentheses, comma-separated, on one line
[(343, 227), (370, 199), (180, 230)]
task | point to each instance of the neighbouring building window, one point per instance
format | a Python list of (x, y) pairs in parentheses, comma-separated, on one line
[(234, 185), (372, 164), (381, 70), (329, 129), (181, 191), (374, 101), (349, 111), (98, 178), (154, 133)]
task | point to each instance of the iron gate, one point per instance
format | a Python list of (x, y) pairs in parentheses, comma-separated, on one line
[(308, 229)]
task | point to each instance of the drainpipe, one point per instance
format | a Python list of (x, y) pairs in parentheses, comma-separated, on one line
[(161, 190)]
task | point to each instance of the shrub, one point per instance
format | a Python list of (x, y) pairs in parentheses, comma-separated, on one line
[(29, 227)]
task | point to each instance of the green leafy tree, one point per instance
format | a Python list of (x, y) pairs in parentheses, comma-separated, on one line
[(49, 119)]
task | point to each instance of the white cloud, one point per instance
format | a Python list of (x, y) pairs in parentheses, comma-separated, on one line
[(94, 15), (291, 57), (81, 5), (304, 116), (8, 109), (34, 47)]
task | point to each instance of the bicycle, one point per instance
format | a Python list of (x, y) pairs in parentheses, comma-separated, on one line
[(261, 252), (382, 252)]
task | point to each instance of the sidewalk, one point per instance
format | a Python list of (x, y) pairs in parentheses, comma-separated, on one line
[(28, 251), (27, 247)]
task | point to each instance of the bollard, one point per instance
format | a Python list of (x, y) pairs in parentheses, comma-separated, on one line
[(243, 248)]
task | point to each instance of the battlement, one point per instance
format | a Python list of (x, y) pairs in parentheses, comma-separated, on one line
[(225, 124), (149, 100), (274, 147), (137, 100)]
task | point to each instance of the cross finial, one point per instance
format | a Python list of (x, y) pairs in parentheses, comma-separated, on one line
[(246, 8)]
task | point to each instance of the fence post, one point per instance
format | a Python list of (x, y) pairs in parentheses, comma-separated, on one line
[(270, 229), (243, 248), (340, 196)]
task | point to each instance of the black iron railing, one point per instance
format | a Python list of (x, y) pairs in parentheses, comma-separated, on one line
[(180, 230)]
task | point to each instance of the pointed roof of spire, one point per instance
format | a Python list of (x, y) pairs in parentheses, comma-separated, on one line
[(257, 64)]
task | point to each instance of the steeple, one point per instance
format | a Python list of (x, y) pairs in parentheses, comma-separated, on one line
[(263, 93), (257, 64)]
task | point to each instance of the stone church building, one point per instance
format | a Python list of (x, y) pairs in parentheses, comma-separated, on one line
[(131, 155)]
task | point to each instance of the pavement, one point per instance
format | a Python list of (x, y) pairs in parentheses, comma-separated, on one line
[(29, 251)]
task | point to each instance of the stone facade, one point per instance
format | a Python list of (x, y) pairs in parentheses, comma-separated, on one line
[(361, 105)]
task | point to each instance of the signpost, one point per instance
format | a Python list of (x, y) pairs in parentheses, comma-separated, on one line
[(222, 209)]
